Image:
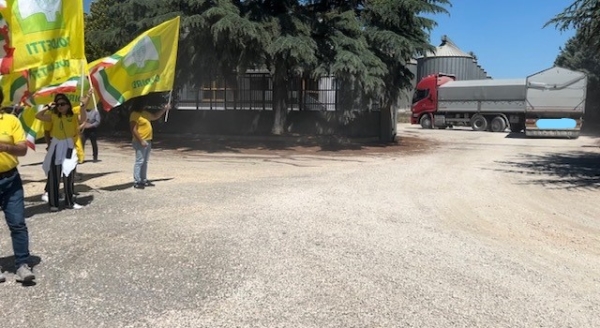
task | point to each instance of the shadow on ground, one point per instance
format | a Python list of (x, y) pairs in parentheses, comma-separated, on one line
[(8, 263), (571, 170), (41, 207), (277, 145)]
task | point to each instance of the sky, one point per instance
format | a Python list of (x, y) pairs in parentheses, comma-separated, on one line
[(507, 36)]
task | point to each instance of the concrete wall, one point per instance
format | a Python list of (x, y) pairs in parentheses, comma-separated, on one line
[(349, 124)]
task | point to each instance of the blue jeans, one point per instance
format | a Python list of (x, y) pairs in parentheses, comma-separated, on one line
[(142, 154), (13, 206)]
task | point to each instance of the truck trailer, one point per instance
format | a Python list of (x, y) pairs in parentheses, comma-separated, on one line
[(547, 103)]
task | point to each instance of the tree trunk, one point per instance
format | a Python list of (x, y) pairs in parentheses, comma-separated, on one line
[(279, 105), (387, 126)]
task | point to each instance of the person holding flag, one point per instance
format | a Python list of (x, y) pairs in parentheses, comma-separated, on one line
[(140, 123), (61, 159)]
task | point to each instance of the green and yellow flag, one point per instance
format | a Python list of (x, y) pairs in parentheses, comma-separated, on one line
[(145, 65), (14, 87), (34, 128), (66, 76), (44, 31)]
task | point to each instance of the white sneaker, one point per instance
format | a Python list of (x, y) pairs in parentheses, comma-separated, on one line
[(76, 206), (45, 197)]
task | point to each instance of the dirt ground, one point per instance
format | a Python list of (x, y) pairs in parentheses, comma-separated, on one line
[(285, 145), (445, 228)]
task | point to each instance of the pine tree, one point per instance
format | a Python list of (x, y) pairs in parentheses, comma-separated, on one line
[(366, 45), (577, 55), (583, 16)]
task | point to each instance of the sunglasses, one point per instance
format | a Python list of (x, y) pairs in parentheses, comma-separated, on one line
[(61, 104)]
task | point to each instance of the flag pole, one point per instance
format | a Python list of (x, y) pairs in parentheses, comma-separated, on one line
[(93, 94), (169, 103), (82, 79)]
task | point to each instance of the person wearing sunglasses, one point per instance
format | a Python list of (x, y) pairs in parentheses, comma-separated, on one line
[(12, 198), (61, 159)]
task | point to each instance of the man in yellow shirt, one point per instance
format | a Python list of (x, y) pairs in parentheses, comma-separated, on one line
[(12, 145), (141, 130)]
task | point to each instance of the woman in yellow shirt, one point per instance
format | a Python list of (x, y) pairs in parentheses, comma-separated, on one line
[(141, 130), (61, 158)]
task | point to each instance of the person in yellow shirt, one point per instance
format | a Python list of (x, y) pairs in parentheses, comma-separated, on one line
[(61, 159), (78, 144), (13, 145), (140, 122)]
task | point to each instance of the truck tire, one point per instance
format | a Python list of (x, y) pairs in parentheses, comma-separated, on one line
[(479, 123), (498, 124), (426, 122)]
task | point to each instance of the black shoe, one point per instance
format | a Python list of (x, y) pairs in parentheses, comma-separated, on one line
[(149, 184), (138, 186)]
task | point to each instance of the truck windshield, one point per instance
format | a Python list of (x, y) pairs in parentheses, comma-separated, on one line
[(420, 94)]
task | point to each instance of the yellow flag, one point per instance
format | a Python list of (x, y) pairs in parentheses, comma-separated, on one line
[(45, 31), (66, 76), (14, 87), (34, 128), (145, 65)]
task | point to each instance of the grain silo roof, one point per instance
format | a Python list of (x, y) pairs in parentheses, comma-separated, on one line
[(448, 49)]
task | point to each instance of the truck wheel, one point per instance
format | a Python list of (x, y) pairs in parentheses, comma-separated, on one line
[(479, 123), (426, 122), (498, 124)]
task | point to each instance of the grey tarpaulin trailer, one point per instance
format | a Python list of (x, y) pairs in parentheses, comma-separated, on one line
[(547, 103)]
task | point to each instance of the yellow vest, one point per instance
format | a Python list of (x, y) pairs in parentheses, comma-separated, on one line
[(144, 127), (11, 132)]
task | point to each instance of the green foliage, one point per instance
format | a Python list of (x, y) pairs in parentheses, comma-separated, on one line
[(97, 21), (578, 55), (396, 33), (366, 45), (583, 16)]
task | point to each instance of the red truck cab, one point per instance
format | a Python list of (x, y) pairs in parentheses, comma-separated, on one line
[(425, 98)]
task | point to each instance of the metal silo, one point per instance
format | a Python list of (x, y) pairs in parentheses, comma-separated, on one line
[(449, 59)]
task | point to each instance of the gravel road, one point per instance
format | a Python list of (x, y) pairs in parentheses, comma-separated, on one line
[(480, 230)]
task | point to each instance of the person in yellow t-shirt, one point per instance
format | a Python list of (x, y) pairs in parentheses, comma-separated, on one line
[(61, 159), (13, 145), (140, 122), (78, 144)]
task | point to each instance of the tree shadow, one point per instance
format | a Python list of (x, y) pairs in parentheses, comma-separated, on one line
[(575, 170), (187, 143)]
